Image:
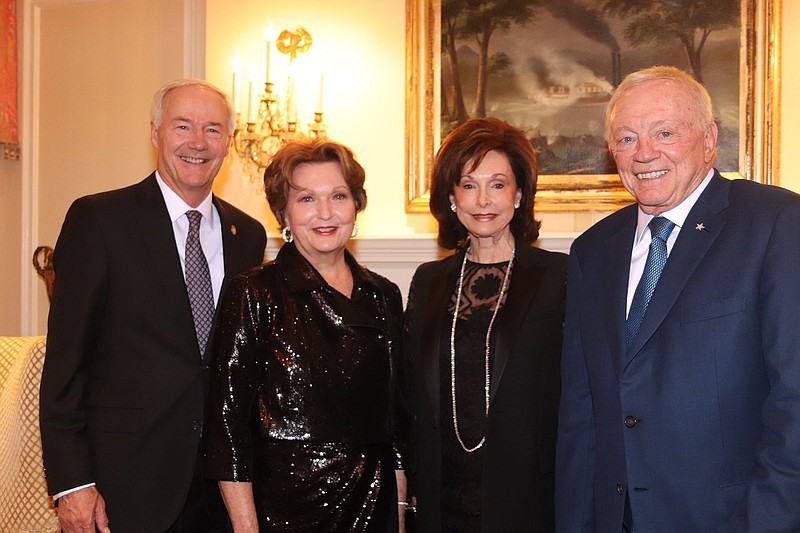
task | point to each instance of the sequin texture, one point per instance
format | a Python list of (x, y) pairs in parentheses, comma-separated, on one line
[(301, 394)]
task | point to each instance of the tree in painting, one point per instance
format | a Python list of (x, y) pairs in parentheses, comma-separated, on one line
[(478, 20), (688, 21)]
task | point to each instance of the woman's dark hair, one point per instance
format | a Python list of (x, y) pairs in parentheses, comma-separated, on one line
[(460, 153), (279, 173)]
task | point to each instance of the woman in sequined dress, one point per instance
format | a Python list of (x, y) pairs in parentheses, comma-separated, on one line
[(483, 342), (301, 432)]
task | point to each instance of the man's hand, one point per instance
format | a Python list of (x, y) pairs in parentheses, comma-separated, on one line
[(82, 510)]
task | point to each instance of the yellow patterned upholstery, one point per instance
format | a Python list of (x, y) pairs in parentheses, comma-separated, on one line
[(24, 504)]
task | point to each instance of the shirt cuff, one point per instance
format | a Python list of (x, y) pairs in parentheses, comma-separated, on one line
[(70, 491)]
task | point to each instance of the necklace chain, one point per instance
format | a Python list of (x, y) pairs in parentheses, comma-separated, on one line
[(487, 382)]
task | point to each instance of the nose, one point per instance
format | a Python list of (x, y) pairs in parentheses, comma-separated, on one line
[(483, 197), (645, 150), (197, 139), (323, 209)]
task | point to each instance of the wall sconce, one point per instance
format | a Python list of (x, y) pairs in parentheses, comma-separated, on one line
[(271, 120)]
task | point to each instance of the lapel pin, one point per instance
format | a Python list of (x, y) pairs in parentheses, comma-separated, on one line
[(700, 227), (233, 229)]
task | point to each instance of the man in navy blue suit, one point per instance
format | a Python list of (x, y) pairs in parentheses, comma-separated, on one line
[(692, 422)]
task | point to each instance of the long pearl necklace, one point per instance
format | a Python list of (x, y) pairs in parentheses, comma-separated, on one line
[(487, 382)]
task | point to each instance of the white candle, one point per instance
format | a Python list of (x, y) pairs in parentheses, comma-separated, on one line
[(250, 102), (319, 95), (292, 103), (235, 87), (270, 37)]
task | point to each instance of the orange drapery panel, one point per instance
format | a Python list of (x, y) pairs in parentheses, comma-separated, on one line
[(9, 138)]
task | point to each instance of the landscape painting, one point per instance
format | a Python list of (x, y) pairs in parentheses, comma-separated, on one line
[(549, 68)]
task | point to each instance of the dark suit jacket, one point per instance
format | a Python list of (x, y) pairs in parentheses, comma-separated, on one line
[(123, 387), (698, 423), (520, 440)]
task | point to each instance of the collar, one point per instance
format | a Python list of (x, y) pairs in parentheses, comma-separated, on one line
[(177, 207), (301, 276), (677, 214)]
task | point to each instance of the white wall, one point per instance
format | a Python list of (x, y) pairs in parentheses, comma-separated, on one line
[(96, 69)]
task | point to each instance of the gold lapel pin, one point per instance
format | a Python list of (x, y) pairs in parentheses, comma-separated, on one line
[(233, 229)]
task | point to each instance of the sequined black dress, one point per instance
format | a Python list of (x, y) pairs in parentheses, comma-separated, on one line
[(302, 389)]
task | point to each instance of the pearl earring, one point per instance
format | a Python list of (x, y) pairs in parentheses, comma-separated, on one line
[(453, 207)]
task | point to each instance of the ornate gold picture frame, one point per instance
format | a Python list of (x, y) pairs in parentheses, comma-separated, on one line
[(758, 113)]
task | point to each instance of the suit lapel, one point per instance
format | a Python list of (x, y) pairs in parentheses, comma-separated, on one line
[(526, 277), (613, 281), (158, 239), (701, 228), (234, 254), (434, 324)]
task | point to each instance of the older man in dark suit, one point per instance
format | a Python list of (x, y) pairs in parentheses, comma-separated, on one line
[(138, 271), (680, 407)]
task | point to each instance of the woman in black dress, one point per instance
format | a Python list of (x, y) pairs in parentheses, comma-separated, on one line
[(301, 435), (484, 337)]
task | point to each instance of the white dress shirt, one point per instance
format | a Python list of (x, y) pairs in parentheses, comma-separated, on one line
[(210, 232), (210, 240), (642, 240)]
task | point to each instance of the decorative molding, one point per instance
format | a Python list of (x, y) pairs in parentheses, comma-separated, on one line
[(414, 250), (194, 39), (29, 140)]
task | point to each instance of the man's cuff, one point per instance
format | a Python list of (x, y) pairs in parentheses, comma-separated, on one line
[(70, 491)]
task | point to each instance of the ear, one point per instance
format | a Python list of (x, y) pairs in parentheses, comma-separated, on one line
[(518, 196), (452, 198), (154, 135), (710, 142)]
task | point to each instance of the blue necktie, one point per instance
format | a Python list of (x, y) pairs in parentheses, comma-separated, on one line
[(660, 228), (198, 281)]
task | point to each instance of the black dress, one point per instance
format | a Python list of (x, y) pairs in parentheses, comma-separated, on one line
[(302, 392), (507, 484), (462, 470)]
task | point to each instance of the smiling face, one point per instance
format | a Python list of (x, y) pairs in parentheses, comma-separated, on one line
[(485, 198), (192, 141), (320, 210), (662, 152)]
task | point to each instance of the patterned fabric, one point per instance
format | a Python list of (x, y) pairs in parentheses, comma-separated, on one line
[(198, 281), (24, 503), (8, 80), (660, 228)]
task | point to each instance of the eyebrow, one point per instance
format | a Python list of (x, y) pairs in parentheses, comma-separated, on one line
[(190, 121), (496, 174)]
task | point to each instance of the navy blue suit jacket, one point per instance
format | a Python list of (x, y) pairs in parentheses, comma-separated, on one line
[(698, 423)]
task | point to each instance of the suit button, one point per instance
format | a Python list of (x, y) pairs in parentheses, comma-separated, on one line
[(630, 421), (620, 489), (195, 425)]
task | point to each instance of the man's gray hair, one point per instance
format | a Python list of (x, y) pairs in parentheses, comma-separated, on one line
[(698, 93), (157, 107)]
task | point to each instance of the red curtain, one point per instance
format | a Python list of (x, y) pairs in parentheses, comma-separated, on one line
[(9, 139)]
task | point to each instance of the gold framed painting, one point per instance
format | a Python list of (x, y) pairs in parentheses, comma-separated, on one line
[(549, 68)]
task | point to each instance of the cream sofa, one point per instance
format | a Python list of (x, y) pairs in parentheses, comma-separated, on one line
[(25, 506)]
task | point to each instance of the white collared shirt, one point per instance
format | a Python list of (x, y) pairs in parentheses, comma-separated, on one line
[(642, 239), (210, 232), (210, 240)]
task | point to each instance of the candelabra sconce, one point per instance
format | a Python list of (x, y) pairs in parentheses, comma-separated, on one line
[(317, 129), (257, 139)]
